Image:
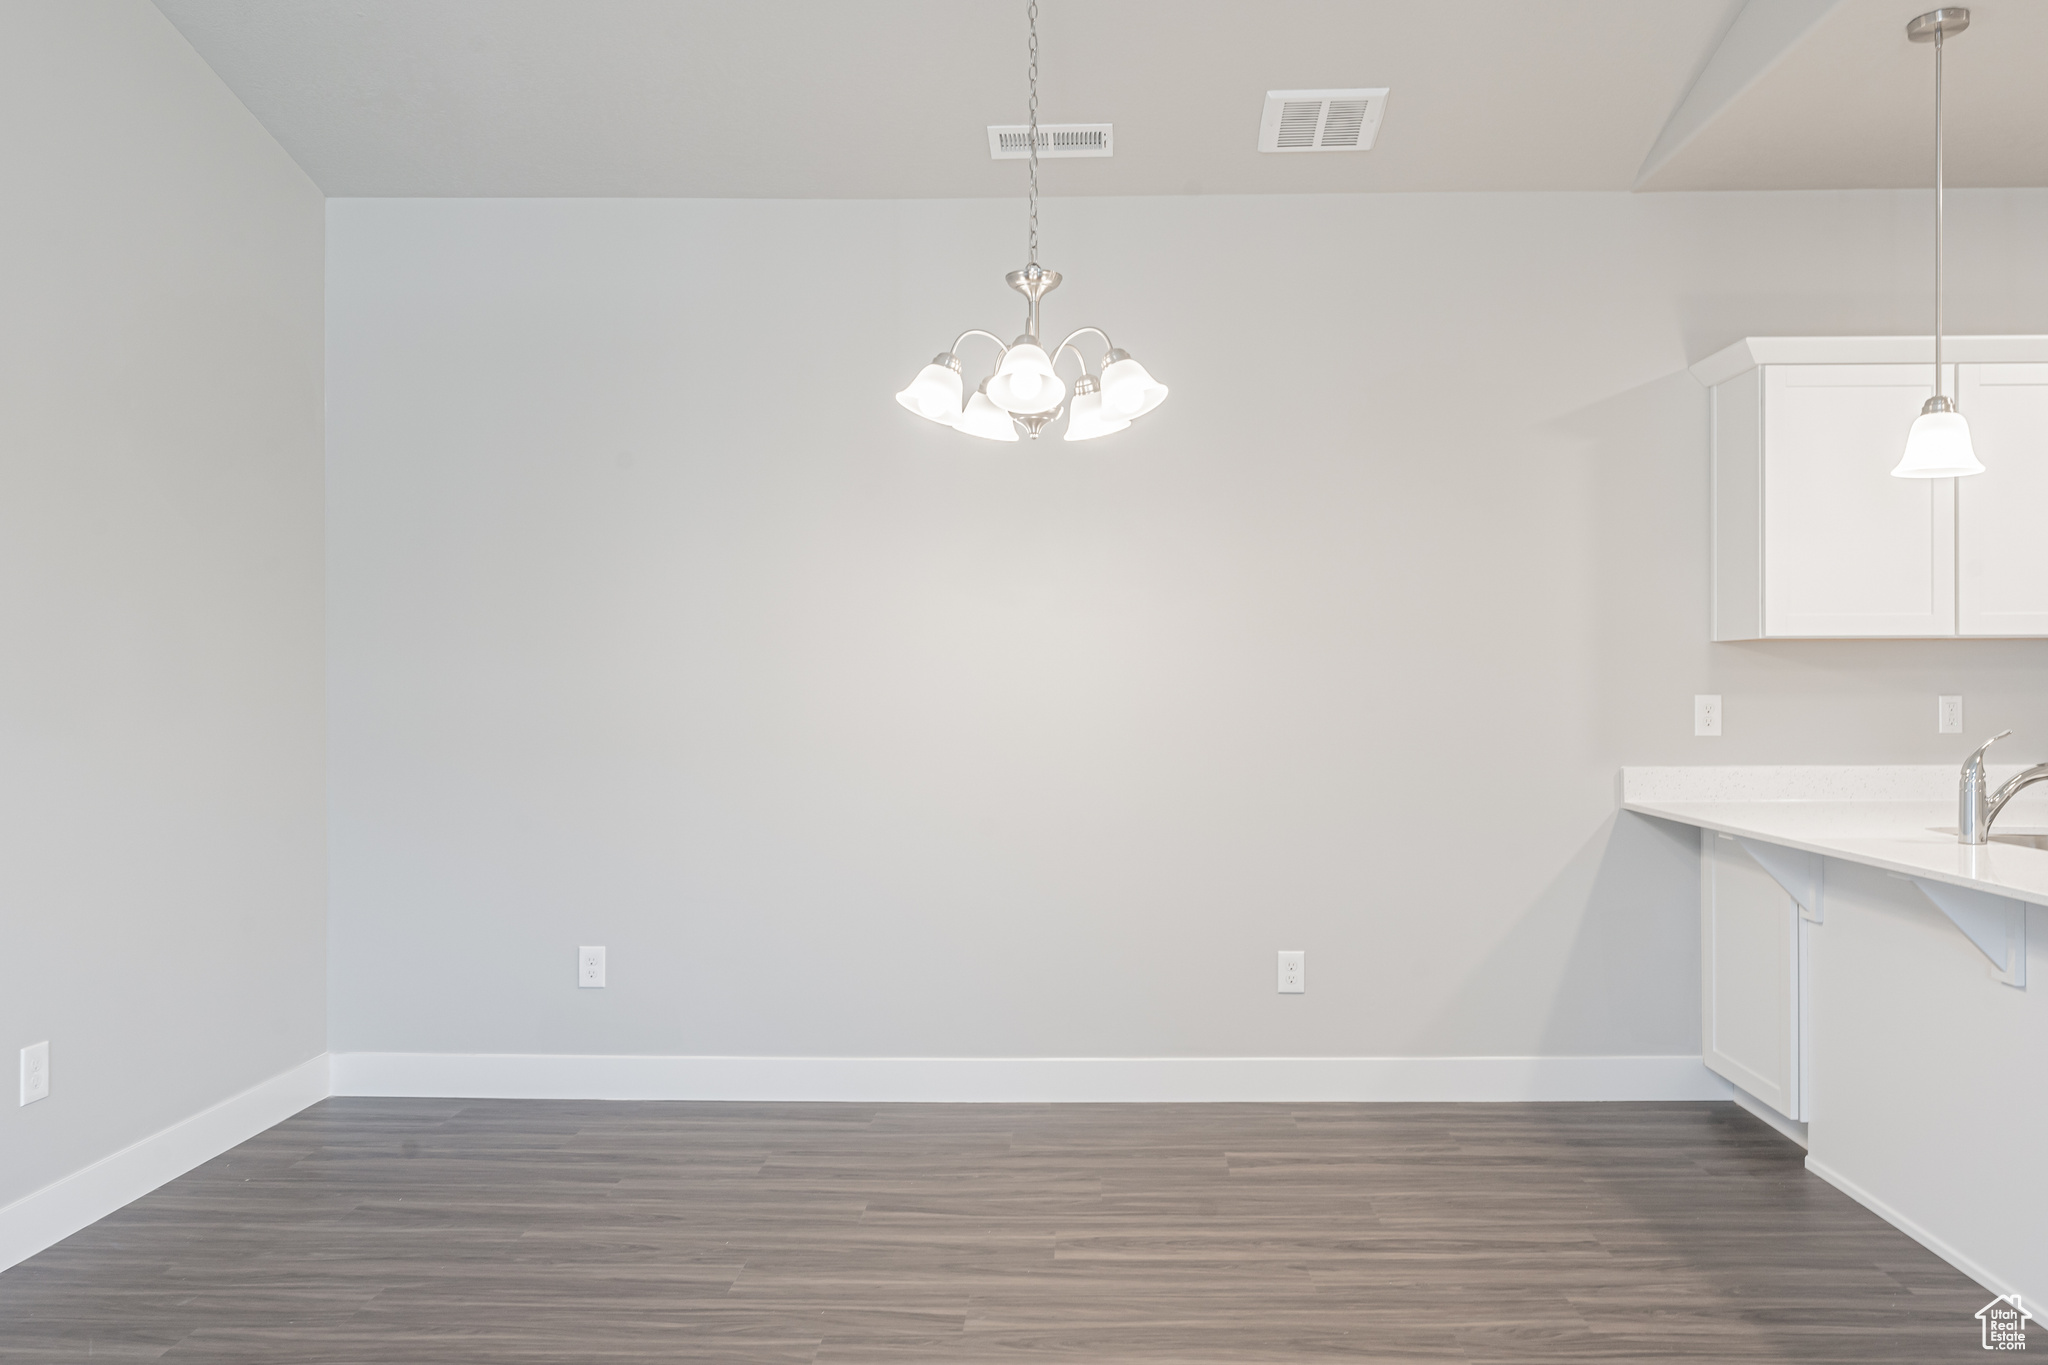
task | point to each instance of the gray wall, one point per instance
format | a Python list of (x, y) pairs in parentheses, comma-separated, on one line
[(161, 788), (654, 623)]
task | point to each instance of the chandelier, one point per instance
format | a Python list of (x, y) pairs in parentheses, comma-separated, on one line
[(1026, 393)]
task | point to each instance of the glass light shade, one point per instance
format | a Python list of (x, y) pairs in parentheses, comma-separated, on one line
[(984, 419), (1938, 447), (1087, 419), (1128, 391), (935, 393), (1025, 381)]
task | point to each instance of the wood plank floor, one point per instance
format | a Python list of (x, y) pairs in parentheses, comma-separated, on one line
[(415, 1232)]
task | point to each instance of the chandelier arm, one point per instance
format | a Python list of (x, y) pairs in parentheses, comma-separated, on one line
[(1107, 344), (977, 332), (1066, 346)]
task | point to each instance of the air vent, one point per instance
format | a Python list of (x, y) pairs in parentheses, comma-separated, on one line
[(1321, 120), (1012, 141)]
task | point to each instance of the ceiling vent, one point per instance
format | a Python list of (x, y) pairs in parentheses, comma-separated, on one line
[(1321, 120), (1012, 141)]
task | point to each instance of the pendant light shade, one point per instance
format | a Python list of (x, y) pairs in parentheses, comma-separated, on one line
[(1025, 382), (1086, 418), (935, 393), (1938, 446), (984, 419), (1127, 389)]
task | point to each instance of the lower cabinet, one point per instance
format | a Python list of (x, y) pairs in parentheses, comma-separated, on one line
[(1753, 961)]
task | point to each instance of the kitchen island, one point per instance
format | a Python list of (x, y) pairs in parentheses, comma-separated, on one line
[(1879, 991)]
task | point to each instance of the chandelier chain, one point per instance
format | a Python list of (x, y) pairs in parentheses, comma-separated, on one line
[(1032, 14)]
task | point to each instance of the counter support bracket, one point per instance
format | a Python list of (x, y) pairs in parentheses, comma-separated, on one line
[(1996, 924), (1794, 869)]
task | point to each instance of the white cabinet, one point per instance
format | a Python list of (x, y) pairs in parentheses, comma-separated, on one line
[(2002, 574), (1849, 550), (1752, 964), (1813, 538)]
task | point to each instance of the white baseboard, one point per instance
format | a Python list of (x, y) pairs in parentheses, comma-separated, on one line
[(54, 1212), (970, 1080), (1750, 1104), (1982, 1274)]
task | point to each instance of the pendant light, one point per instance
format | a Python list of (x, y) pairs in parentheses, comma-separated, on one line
[(1025, 393), (1938, 446)]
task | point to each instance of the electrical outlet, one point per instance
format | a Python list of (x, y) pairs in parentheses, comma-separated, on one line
[(1948, 713), (1293, 971), (35, 1072), (590, 968), (1706, 715)]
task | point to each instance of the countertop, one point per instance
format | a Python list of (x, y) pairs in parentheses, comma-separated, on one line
[(1883, 817)]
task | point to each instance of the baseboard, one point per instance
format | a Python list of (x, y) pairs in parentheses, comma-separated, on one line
[(970, 1080), (51, 1214), (1750, 1104), (1982, 1274)]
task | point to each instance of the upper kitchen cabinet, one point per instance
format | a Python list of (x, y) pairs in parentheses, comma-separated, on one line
[(2001, 574), (1813, 538)]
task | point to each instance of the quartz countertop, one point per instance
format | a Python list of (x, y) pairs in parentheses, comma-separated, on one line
[(1891, 818)]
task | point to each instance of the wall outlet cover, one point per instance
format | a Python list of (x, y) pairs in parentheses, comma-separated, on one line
[(1948, 715), (1293, 971), (1706, 715), (35, 1072), (590, 968)]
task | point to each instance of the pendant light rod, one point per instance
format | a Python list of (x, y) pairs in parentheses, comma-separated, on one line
[(1933, 27), (1940, 215)]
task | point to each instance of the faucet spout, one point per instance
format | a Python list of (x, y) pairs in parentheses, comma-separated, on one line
[(1974, 811), (2013, 787)]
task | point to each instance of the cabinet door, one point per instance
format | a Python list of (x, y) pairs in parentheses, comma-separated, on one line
[(1848, 549), (1749, 987), (2002, 586)]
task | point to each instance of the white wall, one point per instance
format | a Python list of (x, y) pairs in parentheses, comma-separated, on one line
[(654, 623), (161, 786)]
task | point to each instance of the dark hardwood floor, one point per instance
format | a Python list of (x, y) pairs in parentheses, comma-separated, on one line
[(413, 1232)]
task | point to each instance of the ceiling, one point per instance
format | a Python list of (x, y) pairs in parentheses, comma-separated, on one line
[(1850, 104), (809, 99)]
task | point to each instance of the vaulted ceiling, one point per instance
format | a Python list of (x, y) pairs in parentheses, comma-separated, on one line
[(810, 99)]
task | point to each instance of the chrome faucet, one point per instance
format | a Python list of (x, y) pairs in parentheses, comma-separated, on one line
[(1974, 810)]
